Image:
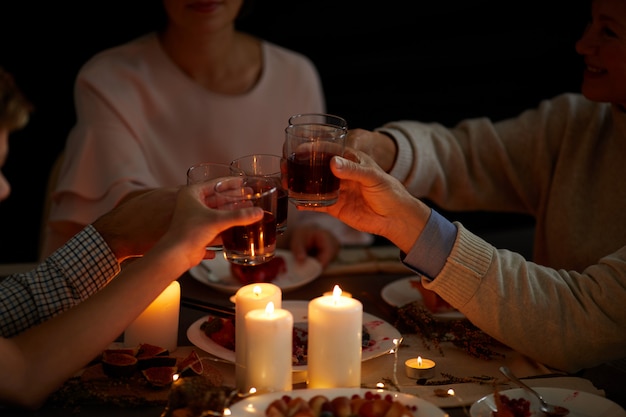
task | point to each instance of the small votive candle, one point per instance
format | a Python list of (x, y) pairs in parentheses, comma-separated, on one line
[(418, 368), (158, 324)]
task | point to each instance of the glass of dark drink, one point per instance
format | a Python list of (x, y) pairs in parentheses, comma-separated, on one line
[(266, 166), (311, 142), (255, 243)]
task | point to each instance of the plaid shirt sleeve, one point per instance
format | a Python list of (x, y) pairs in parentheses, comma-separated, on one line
[(80, 268)]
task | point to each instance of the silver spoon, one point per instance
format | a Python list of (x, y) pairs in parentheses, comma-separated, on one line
[(548, 409)]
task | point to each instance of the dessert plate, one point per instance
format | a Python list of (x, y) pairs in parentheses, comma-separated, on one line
[(216, 273), (382, 335), (256, 405), (579, 403), (401, 292)]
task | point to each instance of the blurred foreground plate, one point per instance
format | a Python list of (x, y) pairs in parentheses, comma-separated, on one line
[(255, 406)]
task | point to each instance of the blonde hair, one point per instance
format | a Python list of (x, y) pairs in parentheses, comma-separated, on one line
[(14, 107)]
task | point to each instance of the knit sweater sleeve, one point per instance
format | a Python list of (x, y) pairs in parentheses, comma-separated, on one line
[(565, 319)]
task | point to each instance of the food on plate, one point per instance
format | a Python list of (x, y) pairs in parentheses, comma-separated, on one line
[(372, 404), (510, 407), (222, 331), (431, 300), (265, 272)]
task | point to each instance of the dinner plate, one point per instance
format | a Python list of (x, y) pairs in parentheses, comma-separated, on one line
[(298, 273), (401, 292), (579, 403), (255, 406), (382, 334)]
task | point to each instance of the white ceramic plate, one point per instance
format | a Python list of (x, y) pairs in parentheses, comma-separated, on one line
[(401, 292), (297, 273), (255, 406), (579, 403), (382, 334)]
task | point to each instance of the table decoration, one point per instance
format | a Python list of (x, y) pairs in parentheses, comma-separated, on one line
[(269, 349), (334, 347), (418, 368), (158, 323), (248, 298)]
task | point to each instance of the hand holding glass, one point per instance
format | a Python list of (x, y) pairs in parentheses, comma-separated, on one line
[(255, 243), (311, 142)]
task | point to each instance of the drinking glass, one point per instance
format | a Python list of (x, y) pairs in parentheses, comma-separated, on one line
[(267, 166), (311, 141), (255, 243), (207, 171)]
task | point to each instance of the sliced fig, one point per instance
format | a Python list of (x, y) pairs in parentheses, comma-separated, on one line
[(126, 351), (147, 350), (118, 365), (160, 376), (155, 361), (191, 365)]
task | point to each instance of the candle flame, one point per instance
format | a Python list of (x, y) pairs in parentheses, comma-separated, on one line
[(419, 361), (175, 377), (337, 291), (269, 308), (256, 290)]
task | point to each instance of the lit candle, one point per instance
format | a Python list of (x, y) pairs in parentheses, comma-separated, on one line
[(269, 335), (335, 338), (157, 324), (248, 298), (418, 368)]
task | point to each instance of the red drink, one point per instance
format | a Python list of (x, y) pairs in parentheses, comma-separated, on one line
[(310, 179), (281, 210), (252, 244)]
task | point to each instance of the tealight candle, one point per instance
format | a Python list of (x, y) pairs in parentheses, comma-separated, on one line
[(269, 335), (418, 368), (335, 338), (248, 298), (158, 323)]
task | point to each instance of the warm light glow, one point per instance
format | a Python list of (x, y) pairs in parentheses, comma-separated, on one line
[(337, 291), (269, 309), (257, 290), (252, 251), (227, 412), (419, 361), (451, 392), (175, 377), (380, 385), (252, 391)]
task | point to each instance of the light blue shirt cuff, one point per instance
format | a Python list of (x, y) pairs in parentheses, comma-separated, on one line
[(429, 253)]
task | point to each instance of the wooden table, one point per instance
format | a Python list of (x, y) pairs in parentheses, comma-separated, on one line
[(364, 286)]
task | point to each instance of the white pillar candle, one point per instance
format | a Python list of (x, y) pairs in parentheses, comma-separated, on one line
[(335, 339), (157, 324), (269, 346), (248, 298)]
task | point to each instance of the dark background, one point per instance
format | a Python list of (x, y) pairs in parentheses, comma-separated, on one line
[(379, 61)]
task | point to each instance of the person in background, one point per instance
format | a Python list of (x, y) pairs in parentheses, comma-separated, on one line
[(562, 163), (71, 299), (196, 90)]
